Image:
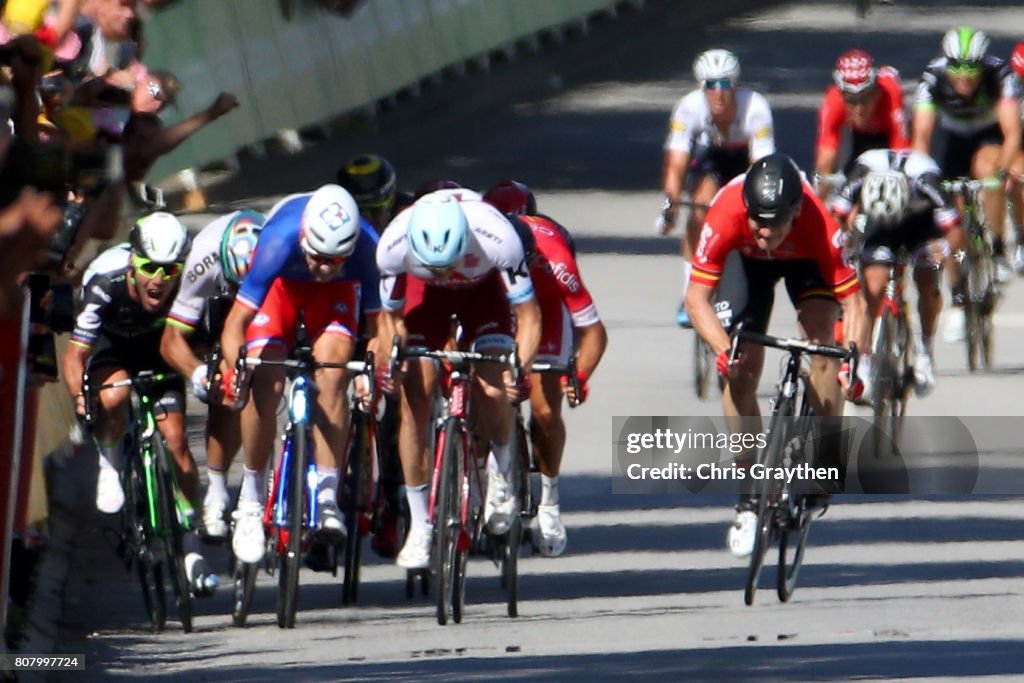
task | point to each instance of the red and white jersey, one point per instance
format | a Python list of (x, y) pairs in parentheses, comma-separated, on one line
[(815, 236), (555, 273), (888, 115), (493, 245), (691, 125)]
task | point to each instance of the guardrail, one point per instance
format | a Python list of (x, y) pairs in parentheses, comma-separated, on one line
[(290, 75)]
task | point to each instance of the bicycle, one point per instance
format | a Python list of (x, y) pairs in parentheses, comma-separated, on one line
[(455, 513), (291, 513), (507, 547), (784, 515), (980, 290), (156, 515)]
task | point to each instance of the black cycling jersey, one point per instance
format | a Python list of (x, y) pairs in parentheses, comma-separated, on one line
[(966, 115), (108, 310)]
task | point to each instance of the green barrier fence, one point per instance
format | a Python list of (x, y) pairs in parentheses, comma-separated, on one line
[(292, 74)]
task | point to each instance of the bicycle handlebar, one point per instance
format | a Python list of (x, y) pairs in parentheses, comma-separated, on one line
[(849, 354), (140, 381), (967, 185)]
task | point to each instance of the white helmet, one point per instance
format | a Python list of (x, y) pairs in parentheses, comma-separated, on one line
[(438, 231), (965, 44), (884, 197), (159, 237), (330, 222), (712, 65)]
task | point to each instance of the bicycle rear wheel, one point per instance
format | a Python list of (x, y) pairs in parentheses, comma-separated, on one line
[(792, 542), (174, 527), (245, 585), (447, 520), (884, 385), (148, 556), (767, 497), (288, 562), (702, 362), (521, 481)]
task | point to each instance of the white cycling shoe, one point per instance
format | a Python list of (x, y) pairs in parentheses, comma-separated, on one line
[(924, 375), (955, 329), (500, 506), (215, 527), (249, 542), (415, 554), (742, 533), (551, 535), (330, 520)]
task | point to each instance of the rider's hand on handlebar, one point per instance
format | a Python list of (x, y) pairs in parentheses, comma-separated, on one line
[(517, 392), (389, 381), (231, 395), (851, 390), (570, 393), (725, 367)]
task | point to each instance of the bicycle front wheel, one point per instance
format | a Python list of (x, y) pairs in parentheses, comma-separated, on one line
[(145, 549), (792, 542), (290, 559), (884, 385), (174, 531), (702, 362), (356, 493), (448, 520), (767, 491), (514, 540)]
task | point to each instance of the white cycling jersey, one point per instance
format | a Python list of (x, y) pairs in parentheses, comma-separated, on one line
[(691, 125), (109, 260), (202, 277), (493, 245)]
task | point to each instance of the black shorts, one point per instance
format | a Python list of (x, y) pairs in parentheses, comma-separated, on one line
[(960, 149), (721, 163), (881, 244), (136, 357), (747, 289)]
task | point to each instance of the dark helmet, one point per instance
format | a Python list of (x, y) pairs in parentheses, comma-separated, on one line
[(510, 196), (435, 185), (773, 190), (370, 179)]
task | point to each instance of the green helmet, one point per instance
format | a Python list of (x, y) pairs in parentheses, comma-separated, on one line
[(965, 44)]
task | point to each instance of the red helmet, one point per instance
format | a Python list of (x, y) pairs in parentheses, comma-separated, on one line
[(510, 196), (1017, 59), (855, 71)]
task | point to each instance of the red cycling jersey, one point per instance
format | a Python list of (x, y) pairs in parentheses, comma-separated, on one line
[(888, 115), (554, 272), (815, 236)]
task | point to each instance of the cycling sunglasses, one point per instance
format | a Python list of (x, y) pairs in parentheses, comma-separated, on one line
[(958, 67), (322, 260), (718, 84), (151, 269)]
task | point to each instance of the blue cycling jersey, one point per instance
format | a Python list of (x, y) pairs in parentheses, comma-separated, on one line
[(279, 255)]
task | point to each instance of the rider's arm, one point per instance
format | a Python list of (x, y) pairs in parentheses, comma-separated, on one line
[(73, 365), (924, 114), (830, 119), (175, 349), (1008, 113), (702, 315), (593, 340), (233, 336), (527, 330), (678, 147), (760, 126), (674, 176)]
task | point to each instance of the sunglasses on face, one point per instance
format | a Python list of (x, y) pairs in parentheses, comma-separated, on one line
[(958, 67), (152, 269), (322, 260), (718, 84)]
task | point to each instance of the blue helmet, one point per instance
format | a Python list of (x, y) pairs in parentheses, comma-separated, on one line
[(438, 231)]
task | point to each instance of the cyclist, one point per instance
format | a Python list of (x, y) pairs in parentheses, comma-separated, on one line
[(453, 254), (316, 256), (117, 334), (781, 230), (216, 265), (900, 193), (715, 132), (977, 96), (1017, 170), (869, 102), (567, 313), (372, 182)]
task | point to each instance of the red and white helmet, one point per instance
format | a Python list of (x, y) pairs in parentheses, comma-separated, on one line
[(1017, 59), (854, 72)]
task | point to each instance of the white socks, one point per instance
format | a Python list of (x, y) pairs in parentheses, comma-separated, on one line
[(419, 504), (253, 485), (548, 490)]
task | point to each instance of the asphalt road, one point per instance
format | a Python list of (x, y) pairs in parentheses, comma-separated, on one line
[(893, 588)]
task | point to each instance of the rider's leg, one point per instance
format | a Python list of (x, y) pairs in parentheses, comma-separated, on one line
[(108, 434), (330, 424), (817, 316), (984, 165)]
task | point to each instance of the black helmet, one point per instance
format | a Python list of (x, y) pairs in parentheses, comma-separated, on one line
[(773, 190), (370, 180)]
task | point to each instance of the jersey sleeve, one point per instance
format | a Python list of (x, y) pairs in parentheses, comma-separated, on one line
[(848, 195), (716, 240), (391, 250), (761, 127), (96, 298), (924, 97), (829, 255), (566, 272), (830, 119), (515, 273), (896, 116), (268, 261), (682, 126), (198, 283)]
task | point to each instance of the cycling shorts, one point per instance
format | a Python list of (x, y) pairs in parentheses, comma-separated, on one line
[(960, 149), (138, 355), (720, 163), (881, 245), (327, 308), (754, 280), (482, 309)]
